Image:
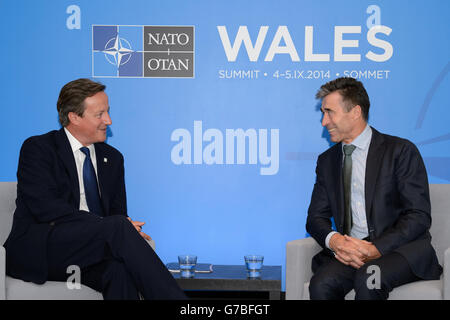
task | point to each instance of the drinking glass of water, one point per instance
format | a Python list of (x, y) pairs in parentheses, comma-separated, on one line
[(187, 263), (254, 265)]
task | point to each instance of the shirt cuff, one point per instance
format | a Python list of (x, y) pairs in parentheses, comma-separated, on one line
[(327, 239)]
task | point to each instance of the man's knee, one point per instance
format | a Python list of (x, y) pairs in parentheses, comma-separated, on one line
[(115, 222), (117, 218), (117, 232)]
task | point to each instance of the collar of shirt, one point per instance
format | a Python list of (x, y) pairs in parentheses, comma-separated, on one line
[(76, 145), (363, 140)]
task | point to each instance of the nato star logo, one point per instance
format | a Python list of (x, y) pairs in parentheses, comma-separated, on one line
[(118, 51)]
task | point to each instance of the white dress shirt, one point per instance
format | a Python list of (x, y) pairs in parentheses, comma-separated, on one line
[(358, 200), (79, 161)]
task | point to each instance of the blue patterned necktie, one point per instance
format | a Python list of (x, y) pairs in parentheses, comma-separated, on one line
[(90, 184), (347, 179)]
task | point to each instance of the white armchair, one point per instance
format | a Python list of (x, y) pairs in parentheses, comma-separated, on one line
[(299, 254)]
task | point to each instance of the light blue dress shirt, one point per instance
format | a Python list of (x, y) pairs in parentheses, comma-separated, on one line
[(358, 202)]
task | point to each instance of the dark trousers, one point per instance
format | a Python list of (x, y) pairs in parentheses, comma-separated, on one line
[(113, 257), (332, 280)]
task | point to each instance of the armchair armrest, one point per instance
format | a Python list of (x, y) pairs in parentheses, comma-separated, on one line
[(2, 273), (446, 274), (299, 254)]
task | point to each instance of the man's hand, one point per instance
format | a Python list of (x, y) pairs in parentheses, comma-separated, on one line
[(367, 248), (138, 225), (352, 251), (346, 251)]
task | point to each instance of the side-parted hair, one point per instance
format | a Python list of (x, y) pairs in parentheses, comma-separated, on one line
[(72, 95), (352, 91)]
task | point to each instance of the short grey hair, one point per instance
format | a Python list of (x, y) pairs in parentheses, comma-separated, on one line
[(352, 91)]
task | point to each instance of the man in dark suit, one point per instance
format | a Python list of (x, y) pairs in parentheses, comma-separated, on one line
[(375, 188), (71, 207)]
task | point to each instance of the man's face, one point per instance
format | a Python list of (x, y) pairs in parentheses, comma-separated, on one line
[(91, 126), (339, 122)]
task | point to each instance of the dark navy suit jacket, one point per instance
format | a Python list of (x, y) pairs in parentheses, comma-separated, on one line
[(48, 193), (397, 198)]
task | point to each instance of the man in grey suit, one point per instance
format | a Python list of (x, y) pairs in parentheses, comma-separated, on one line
[(375, 187)]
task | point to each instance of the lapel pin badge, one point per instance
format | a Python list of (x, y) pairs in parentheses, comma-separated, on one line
[(105, 160)]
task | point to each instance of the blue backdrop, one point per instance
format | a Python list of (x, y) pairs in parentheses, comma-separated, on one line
[(202, 185)]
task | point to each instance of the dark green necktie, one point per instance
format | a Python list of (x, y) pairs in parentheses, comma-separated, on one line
[(347, 179)]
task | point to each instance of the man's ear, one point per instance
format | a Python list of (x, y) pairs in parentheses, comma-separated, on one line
[(357, 111), (73, 118)]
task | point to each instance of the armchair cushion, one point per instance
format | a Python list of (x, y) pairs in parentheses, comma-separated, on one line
[(419, 290), (52, 290)]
